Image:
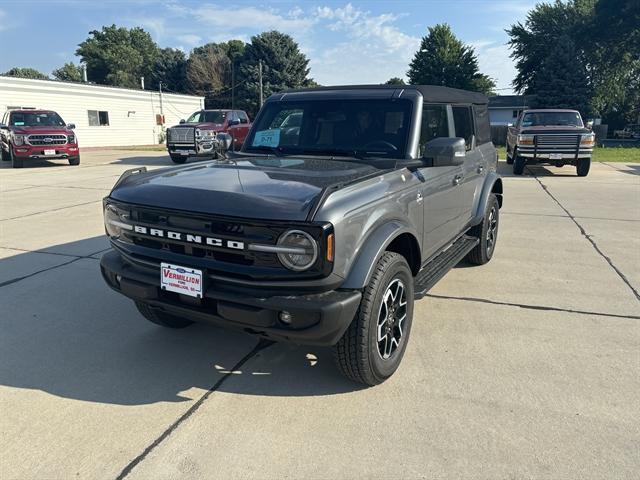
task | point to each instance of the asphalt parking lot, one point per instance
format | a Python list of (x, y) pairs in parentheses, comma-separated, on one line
[(527, 367)]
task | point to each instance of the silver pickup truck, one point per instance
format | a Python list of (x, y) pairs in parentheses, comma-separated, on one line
[(344, 206)]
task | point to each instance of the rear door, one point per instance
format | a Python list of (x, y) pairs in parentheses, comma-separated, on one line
[(473, 170), (439, 190)]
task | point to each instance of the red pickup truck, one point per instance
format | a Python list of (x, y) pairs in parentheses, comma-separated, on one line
[(198, 135), (30, 134)]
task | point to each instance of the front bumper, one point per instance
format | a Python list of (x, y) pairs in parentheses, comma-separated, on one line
[(38, 151), (316, 318), (198, 149)]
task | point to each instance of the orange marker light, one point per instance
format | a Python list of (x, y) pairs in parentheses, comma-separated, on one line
[(330, 247)]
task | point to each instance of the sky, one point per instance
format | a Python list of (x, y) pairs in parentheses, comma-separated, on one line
[(347, 42)]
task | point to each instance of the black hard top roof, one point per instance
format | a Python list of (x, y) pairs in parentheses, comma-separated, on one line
[(431, 93)]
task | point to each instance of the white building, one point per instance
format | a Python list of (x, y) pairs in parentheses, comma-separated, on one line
[(104, 116), (505, 109)]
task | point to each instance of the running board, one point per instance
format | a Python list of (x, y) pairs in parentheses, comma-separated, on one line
[(437, 268)]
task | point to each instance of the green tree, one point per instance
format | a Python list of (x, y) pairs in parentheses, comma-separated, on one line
[(25, 73), (395, 81), (209, 74), (170, 68), (444, 60), (284, 66), (69, 72), (118, 56), (546, 23), (562, 80)]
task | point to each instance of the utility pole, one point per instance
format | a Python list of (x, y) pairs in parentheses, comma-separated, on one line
[(260, 80), (160, 89)]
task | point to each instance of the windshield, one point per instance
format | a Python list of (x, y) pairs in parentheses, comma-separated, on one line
[(373, 128), (209, 117), (36, 119), (539, 119)]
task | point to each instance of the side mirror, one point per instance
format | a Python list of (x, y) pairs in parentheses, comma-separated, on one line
[(71, 126), (234, 122), (224, 141), (182, 120), (445, 151)]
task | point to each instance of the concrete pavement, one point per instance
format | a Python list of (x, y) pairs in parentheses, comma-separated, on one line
[(524, 368)]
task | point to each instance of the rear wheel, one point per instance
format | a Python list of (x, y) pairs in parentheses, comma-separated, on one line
[(74, 160), (487, 233), (583, 166), (178, 159), (518, 165), (372, 348), (161, 318)]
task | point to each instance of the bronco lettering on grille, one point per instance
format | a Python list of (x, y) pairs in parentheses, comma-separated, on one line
[(189, 238)]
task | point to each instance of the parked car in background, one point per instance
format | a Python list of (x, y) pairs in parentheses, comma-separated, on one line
[(628, 132), (344, 205), (550, 136), (30, 134), (198, 135)]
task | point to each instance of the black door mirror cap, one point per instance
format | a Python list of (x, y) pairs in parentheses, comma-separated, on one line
[(234, 122), (71, 126), (182, 120)]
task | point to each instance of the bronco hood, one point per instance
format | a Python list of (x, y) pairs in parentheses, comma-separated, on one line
[(250, 187)]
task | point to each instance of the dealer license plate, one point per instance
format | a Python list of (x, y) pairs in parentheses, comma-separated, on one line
[(184, 280), (555, 156), (49, 152)]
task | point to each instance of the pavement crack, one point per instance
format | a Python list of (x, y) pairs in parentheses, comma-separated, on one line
[(532, 307), (73, 260), (262, 344), (588, 237)]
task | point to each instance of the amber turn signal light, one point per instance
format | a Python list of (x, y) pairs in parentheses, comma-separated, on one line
[(330, 247)]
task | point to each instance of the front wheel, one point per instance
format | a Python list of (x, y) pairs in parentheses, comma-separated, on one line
[(16, 162), (487, 233), (74, 160), (178, 159), (372, 348), (583, 166), (518, 165)]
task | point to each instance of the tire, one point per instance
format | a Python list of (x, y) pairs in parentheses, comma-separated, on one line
[(359, 355), (74, 160), (161, 318), (583, 166), (518, 165), (179, 159), (6, 157), (16, 162), (487, 232), (510, 158)]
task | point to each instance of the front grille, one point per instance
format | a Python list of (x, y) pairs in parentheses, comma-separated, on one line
[(557, 140), (47, 139), (182, 135)]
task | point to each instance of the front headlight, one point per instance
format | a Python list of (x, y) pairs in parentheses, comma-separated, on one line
[(71, 138), (115, 221), (525, 139), (588, 140), (18, 139), (299, 251)]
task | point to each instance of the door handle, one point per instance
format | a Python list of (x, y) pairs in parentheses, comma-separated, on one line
[(419, 197), (457, 179), (480, 169)]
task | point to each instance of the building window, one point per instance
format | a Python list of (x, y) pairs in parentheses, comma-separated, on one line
[(98, 118)]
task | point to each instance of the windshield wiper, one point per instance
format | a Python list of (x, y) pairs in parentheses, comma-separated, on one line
[(352, 153), (277, 151)]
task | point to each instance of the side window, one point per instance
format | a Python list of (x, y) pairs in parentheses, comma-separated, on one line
[(483, 130), (463, 124), (243, 117), (434, 124), (232, 116)]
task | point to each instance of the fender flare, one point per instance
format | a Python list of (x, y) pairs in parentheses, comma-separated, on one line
[(492, 184), (371, 251)]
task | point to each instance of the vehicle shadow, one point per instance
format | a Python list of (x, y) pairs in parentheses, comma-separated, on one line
[(66, 333), (37, 164), (506, 170)]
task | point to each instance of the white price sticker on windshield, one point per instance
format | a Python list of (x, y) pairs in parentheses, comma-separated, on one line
[(267, 138)]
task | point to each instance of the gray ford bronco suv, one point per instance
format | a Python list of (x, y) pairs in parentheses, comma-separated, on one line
[(344, 206)]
